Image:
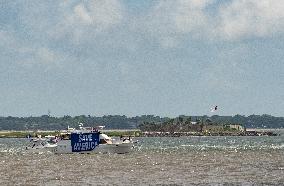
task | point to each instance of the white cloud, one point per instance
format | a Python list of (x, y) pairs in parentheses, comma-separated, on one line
[(29, 56), (102, 14), (41, 26), (168, 20), (87, 19), (25, 54), (230, 20), (257, 18), (191, 15), (82, 13)]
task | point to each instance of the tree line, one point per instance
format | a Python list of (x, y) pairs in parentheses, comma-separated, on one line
[(46, 122)]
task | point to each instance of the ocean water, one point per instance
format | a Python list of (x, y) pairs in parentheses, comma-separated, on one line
[(154, 161)]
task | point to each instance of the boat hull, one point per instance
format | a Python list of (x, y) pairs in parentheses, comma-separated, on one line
[(64, 147)]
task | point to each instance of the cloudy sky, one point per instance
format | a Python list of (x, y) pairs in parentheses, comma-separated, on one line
[(141, 57)]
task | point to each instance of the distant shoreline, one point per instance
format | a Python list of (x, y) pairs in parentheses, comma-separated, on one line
[(47, 122), (24, 134), (280, 130), (132, 132)]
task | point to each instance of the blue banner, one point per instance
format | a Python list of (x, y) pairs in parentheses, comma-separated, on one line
[(84, 142)]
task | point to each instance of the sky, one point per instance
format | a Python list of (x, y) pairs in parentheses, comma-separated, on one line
[(132, 57)]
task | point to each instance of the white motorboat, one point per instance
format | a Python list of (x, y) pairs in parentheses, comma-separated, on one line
[(40, 144), (90, 140)]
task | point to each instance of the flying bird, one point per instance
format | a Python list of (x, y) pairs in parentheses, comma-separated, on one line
[(214, 109)]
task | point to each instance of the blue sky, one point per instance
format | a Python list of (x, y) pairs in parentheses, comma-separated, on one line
[(131, 58)]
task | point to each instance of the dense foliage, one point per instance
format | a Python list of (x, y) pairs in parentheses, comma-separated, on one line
[(46, 122)]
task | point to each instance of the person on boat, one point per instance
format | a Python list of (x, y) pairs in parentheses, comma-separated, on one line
[(126, 140)]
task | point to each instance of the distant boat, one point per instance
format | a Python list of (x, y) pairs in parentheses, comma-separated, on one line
[(90, 140), (40, 144)]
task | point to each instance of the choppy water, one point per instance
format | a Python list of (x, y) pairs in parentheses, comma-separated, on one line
[(155, 161)]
